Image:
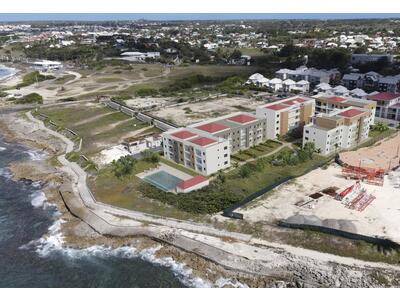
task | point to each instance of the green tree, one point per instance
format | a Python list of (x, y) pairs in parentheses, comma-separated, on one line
[(123, 166)]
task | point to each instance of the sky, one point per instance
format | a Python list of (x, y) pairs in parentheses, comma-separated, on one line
[(16, 17)]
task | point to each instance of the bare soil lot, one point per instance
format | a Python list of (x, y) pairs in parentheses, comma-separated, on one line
[(191, 113), (381, 218)]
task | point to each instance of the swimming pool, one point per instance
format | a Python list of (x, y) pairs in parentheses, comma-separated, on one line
[(163, 180)]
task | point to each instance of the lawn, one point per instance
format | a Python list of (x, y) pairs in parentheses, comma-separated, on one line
[(179, 167), (256, 151), (103, 127), (124, 193), (231, 187)]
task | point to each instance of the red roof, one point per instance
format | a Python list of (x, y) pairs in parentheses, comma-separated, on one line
[(350, 113), (212, 127), (202, 141), (191, 182), (337, 99), (242, 119), (183, 134), (276, 106), (294, 101), (385, 96)]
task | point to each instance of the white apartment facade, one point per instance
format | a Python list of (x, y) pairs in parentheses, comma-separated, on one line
[(338, 130), (202, 153), (285, 115)]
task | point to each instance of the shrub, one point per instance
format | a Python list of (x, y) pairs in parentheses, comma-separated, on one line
[(123, 166), (150, 156), (30, 98)]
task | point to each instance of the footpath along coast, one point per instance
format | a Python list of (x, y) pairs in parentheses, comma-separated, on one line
[(232, 250)]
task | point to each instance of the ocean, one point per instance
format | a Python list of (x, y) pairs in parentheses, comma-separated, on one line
[(6, 72), (32, 253)]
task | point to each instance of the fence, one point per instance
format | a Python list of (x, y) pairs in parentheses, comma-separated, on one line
[(229, 212), (341, 233), (160, 123)]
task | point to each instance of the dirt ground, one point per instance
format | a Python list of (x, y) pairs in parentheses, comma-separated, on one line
[(186, 114), (381, 218), (383, 155)]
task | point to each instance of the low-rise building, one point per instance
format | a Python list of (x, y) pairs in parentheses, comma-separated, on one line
[(360, 59), (202, 153), (312, 75), (387, 105), (325, 103), (47, 65), (242, 130), (340, 129), (206, 146), (285, 115)]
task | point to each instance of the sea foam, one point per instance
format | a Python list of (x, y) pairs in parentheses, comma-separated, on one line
[(53, 242)]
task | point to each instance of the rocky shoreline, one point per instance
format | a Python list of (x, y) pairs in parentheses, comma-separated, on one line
[(295, 271), (77, 234)]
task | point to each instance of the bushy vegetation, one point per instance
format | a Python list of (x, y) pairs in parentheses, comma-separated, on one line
[(33, 77), (124, 166), (146, 92), (149, 156), (380, 127), (30, 98), (227, 189)]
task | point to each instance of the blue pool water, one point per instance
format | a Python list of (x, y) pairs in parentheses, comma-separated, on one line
[(163, 180)]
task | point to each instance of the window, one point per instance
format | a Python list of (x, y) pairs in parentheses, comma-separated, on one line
[(226, 162), (226, 155), (226, 147)]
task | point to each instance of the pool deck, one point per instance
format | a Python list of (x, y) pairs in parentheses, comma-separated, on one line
[(166, 168)]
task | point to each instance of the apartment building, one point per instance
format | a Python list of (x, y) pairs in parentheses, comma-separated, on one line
[(360, 59), (241, 130), (206, 146), (285, 115), (372, 81), (339, 129), (203, 153), (387, 105), (326, 103), (312, 75)]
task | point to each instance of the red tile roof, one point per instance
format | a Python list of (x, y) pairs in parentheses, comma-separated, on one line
[(276, 106), (183, 134), (191, 182), (336, 99), (385, 96), (212, 127), (294, 101), (242, 119), (350, 113), (202, 141)]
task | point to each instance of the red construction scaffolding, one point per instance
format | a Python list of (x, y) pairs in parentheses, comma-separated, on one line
[(367, 175)]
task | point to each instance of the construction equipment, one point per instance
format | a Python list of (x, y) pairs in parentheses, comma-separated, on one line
[(367, 175)]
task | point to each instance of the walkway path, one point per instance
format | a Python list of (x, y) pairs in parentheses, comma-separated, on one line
[(256, 248)]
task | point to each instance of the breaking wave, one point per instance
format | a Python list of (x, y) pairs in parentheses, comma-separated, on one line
[(53, 241), (4, 172), (35, 155), (2, 149)]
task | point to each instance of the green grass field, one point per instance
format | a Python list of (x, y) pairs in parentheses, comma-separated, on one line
[(104, 127), (124, 193)]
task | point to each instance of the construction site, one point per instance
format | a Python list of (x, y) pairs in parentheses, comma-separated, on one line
[(359, 196)]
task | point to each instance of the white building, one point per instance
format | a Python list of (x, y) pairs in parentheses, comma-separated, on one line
[(139, 56), (204, 153), (340, 129), (47, 65), (285, 115)]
